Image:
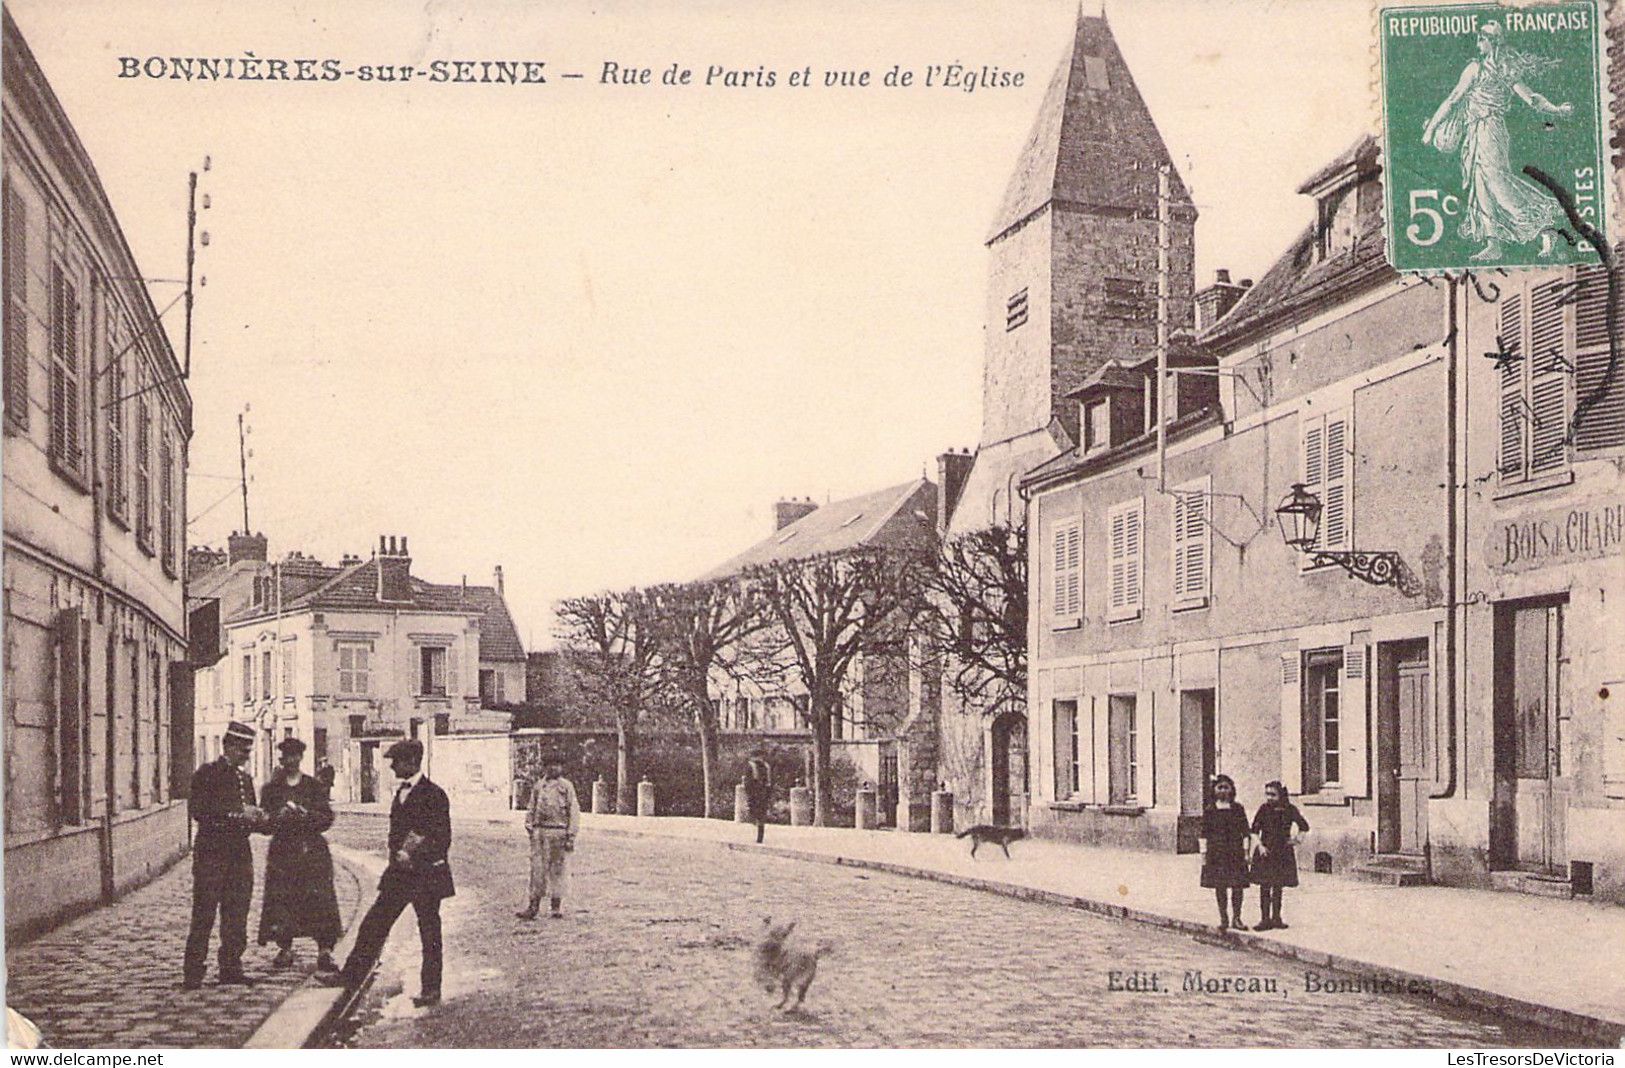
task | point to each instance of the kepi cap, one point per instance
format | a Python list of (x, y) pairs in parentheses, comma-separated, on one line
[(242, 732)]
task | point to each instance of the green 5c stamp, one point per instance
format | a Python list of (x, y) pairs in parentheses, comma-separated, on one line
[(1492, 124)]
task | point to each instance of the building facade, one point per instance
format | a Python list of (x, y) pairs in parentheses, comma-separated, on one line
[(1447, 718), (96, 429), (347, 659)]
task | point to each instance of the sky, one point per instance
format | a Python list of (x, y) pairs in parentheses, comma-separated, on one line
[(591, 331)]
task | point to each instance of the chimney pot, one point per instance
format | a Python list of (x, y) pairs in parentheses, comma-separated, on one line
[(1221, 277), (382, 544), (403, 546)]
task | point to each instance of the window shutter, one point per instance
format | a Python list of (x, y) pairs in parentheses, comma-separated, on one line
[(1118, 566), (1337, 498), (1067, 606), (65, 413), (1132, 541), (1099, 750), (1145, 749), (1063, 748), (70, 694), (453, 656), (1190, 542), (1514, 422), (1353, 715), (1601, 424), (1181, 504), (15, 225), (115, 433), (1548, 379), (1291, 724)]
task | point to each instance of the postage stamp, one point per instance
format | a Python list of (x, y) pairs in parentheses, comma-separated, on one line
[(1493, 125)]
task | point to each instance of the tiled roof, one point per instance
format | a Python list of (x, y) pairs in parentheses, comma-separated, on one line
[(355, 588), (1300, 282), (1065, 157), (899, 516)]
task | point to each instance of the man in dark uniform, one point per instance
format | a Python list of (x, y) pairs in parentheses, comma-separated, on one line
[(222, 803), (418, 874)]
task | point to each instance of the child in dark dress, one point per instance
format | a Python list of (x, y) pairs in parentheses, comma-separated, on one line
[(1275, 865), (1224, 851)]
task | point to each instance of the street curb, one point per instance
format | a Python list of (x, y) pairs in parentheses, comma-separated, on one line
[(306, 1013), (1596, 1029)]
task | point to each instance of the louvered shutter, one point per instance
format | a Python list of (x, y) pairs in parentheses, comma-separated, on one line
[(15, 226), (1132, 545), (1291, 723), (115, 431), (1548, 379), (1354, 724), (1067, 604), (1062, 719), (1336, 519), (454, 657), (1514, 421), (1314, 470), (1190, 543), (65, 414), (1117, 569), (1599, 411)]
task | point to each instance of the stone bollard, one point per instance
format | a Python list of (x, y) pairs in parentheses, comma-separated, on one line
[(801, 806), (865, 809), (741, 804), (602, 801), (942, 812), (646, 798)]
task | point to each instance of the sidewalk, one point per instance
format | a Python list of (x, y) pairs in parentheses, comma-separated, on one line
[(1552, 962), (111, 978)]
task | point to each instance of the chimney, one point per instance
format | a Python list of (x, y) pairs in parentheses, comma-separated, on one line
[(787, 512), (245, 546), (953, 468), (1217, 299), (394, 571), (496, 580)]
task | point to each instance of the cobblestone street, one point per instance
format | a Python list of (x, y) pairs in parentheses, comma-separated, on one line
[(111, 979), (656, 951)]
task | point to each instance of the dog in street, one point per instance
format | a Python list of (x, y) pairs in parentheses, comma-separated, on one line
[(784, 964), (999, 836)]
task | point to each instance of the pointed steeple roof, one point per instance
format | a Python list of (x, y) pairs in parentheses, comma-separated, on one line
[(1093, 144)]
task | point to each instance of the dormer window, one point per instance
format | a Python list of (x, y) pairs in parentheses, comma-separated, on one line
[(1097, 425), (1335, 230)]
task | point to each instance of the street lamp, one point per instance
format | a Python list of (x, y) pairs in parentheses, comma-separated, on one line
[(1299, 513), (1300, 517)]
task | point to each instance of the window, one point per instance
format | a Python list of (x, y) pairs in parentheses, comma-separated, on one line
[(1015, 310), (1097, 428), (319, 746), (1534, 363), (72, 676), (432, 671), (66, 449), (743, 720), (1067, 600), (1067, 751), (157, 728), (288, 651), (355, 668), (491, 687), (166, 506), (1328, 449), (248, 678), (15, 344), (1124, 298), (442, 722), (1192, 545), (1124, 560), (135, 725), (1123, 737), (265, 674), (1336, 214), (358, 726), (143, 475), (1599, 416), (1322, 719)]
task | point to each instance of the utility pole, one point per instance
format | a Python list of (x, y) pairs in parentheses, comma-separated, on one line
[(191, 258), (1163, 212), (242, 461)]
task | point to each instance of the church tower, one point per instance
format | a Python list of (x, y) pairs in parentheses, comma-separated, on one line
[(1075, 264)]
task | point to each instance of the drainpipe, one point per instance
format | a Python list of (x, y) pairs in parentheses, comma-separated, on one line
[(1451, 563)]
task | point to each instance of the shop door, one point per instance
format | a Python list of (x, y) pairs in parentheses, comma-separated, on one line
[(1532, 784), (1404, 718), (1197, 764)]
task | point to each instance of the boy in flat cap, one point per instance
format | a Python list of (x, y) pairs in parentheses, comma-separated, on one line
[(553, 819), (222, 803), (299, 899), (418, 874)]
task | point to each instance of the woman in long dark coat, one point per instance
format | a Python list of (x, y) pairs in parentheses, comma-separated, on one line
[(1275, 865), (758, 789), (299, 898), (1224, 853)]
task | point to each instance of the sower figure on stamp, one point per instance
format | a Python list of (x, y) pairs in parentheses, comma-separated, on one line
[(1224, 851), (222, 803), (1275, 865), (299, 898), (758, 789), (418, 874), (553, 819)]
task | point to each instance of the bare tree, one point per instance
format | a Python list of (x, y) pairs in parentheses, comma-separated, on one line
[(609, 639), (976, 614), (703, 626), (830, 610)]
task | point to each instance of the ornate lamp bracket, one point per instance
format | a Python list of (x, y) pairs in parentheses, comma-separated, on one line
[(1377, 568)]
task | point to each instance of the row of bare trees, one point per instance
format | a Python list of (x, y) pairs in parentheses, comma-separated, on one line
[(652, 655)]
